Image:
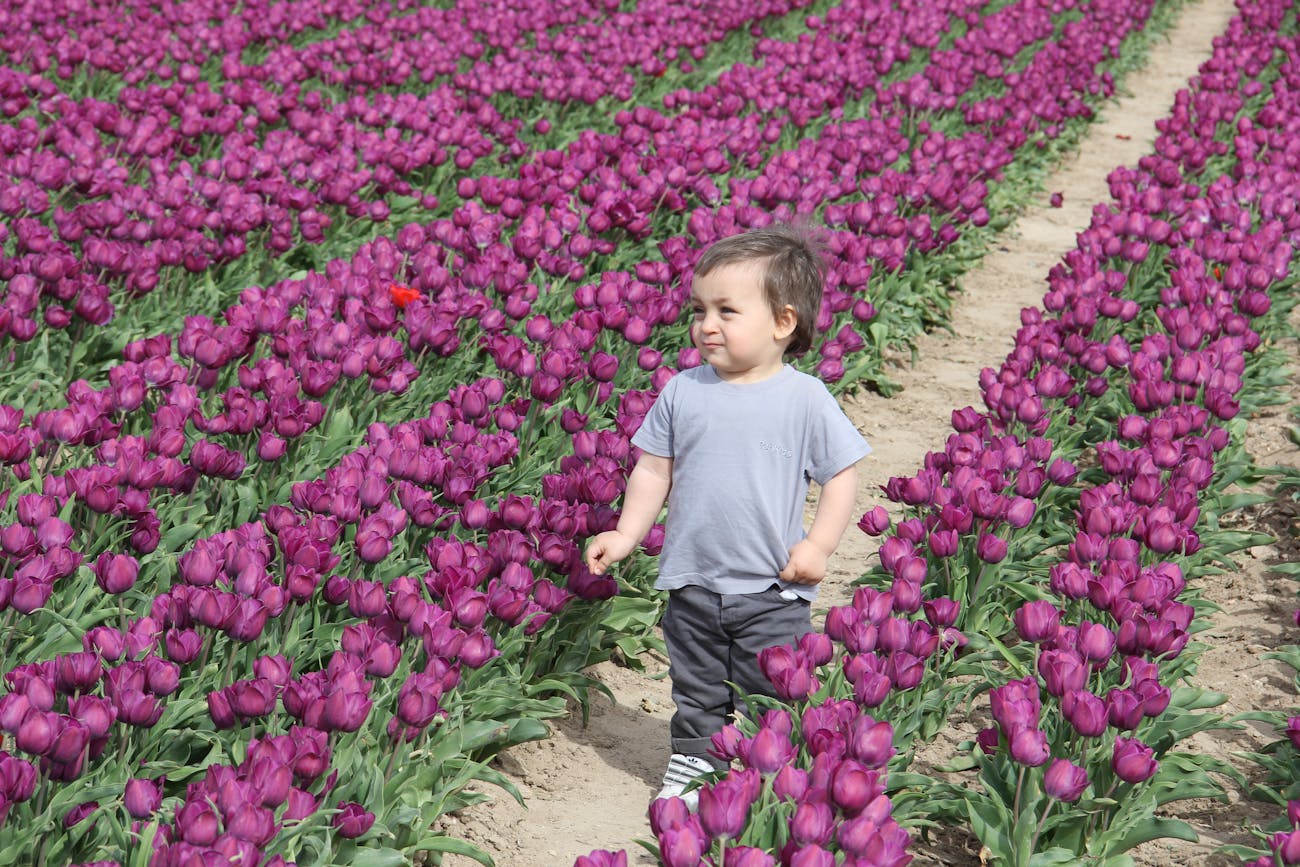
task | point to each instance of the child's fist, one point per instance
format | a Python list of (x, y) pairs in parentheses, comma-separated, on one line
[(807, 564), (607, 549)]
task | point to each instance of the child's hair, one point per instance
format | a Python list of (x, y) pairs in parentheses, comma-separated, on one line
[(794, 272)]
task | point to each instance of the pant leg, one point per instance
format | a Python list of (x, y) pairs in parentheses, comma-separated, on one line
[(698, 664), (755, 621)]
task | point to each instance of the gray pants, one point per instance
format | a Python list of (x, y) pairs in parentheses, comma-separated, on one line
[(712, 639)]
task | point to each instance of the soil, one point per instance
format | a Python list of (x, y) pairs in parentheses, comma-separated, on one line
[(587, 787)]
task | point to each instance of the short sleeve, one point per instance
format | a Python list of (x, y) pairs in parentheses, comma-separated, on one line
[(656, 432), (834, 443)]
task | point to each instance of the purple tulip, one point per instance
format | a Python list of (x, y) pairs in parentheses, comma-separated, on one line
[(1037, 621), (1062, 670), (352, 820), (812, 824), (143, 797), (875, 521), (811, 856), (991, 548), (1064, 780), (116, 573), (853, 786), (250, 822), (1016, 704), (1124, 709), (75, 815), (724, 806), (941, 612), (1029, 746), (789, 672), (1085, 711), (1133, 761), (417, 701), (70, 741), (747, 856), (1096, 642), (37, 732), (668, 813), (682, 846), (871, 742), (768, 751)]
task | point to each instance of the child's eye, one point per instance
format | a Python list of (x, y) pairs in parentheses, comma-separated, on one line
[(728, 309)]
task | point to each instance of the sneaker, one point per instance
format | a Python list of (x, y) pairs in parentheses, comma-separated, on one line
[(682, 771)]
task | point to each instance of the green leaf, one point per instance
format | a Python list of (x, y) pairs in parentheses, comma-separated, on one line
[(1231, 541), (455, 847), (989, 821), (1245, 499), (1052, 856), (337, 438), (1154, 828), (179, 535), (382, 857)]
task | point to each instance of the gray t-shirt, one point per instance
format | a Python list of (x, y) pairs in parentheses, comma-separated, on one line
[(743, 455)]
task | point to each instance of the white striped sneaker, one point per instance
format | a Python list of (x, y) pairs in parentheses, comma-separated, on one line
[(682, 771)]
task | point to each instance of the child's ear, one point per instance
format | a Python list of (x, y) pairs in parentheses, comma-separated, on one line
[(786, 320)]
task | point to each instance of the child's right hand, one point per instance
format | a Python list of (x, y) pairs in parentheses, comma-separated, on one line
[(607, 549)]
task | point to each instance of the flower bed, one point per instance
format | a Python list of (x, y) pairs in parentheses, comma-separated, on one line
[(218, 492), (1064, 594)]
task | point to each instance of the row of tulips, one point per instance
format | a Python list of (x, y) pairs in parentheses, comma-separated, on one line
[(180, 176), (654, 184), (339, 339), (78, 39), (246, 602), (1134, 369)]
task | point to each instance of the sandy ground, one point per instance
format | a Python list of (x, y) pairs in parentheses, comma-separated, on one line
[(586, 788)]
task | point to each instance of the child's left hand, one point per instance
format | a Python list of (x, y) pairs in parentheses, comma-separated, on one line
[(807, 564)]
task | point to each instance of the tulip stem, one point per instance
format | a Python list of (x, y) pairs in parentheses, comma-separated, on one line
[(392, 758), (49, 459), (207, 648), (72, 356), (1033, 846), (1020, 785), (9, 634), (974, 593)]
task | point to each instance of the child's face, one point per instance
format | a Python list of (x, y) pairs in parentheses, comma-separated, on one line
[(734, 327)]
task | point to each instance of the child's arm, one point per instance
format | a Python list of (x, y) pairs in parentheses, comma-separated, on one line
[(808, 557), (647, 489)]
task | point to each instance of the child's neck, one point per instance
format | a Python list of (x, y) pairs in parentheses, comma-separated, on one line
[(753, 374)]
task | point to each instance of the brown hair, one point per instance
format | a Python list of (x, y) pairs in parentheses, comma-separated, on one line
[(794, 272)]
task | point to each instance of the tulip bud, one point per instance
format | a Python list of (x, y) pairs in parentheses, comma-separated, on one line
[(352, 820), (812, 824), (790, 783), (724, 806), (1065, 780), (1133, 761), (853, 786), (143, 797), (1029, 746), (991, 548), (682, 846), (875, 521)]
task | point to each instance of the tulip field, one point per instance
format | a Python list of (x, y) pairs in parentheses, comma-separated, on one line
[(326, 325)]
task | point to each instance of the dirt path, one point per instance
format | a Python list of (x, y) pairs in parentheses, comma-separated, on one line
[(587, 788)]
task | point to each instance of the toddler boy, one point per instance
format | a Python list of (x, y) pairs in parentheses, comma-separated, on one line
[(731, 446)]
